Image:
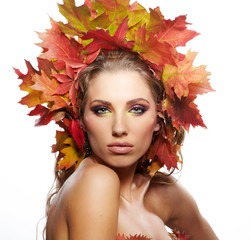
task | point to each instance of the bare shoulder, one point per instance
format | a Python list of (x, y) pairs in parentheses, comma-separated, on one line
[(90, 182), (162, 196), (178, 209), (90, 202)]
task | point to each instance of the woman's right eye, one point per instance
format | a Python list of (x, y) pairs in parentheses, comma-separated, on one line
[(100, 110)]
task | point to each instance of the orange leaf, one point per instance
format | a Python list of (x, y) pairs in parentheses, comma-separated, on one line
[(48, 86), (184, 78), (71, 154)]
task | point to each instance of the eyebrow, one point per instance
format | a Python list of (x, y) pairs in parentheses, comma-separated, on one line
[(128, 103)]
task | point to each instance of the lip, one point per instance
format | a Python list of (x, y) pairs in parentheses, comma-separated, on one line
[(120, 148)]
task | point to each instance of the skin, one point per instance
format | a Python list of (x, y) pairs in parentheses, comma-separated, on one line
[(120, 108)]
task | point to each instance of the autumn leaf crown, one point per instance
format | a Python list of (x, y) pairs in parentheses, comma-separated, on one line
[(108, 25)]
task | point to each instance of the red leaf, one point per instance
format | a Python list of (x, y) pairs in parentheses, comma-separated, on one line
[(57, 46), (156, 21), (77, 133), (135, 237), (163, 150), (153, 50), (183, 112), (176, 33), (120, 237), (102, 39), (178, 235), (42, 111)]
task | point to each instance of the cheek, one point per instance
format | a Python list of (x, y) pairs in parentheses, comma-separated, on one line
[(96, 131), (145, 129)]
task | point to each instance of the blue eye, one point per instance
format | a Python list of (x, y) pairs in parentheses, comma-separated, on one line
[(99, 110), (138, 110)]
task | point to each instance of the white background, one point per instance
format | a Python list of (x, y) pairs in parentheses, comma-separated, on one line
[(216, 160)]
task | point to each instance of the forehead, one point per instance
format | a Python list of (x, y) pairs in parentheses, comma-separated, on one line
[(119, 85)]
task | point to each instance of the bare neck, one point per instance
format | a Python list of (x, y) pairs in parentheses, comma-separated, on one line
[(126, 176)]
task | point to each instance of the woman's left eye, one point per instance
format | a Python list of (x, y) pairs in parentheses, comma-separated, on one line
[(137, 110)]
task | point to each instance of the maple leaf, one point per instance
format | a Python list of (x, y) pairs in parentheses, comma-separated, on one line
[(78, 17), (155, 23), (102, 39), (45, 115), (137, 15), (71, 154), (185, 79), (61, 136), (48, 86), (33, 97), (115, 9), (153, 50), (179, 235), (175, 32), (138, 237), (135, 237), (183, 112), (164, 152), (120, 237), (60, 49)]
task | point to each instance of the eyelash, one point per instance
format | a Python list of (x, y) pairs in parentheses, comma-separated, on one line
[(137, 110), (100, 110)]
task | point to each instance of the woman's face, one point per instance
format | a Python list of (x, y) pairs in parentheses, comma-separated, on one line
[(119, 118)]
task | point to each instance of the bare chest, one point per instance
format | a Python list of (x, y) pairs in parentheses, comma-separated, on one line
[(135, 218)]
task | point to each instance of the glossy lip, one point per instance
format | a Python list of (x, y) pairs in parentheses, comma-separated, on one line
[(120, 148)]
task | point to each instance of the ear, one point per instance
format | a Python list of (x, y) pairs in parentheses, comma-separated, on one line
[(157, 125)]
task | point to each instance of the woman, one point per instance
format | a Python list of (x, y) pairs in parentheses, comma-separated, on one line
[(104, 197), (114, 81)]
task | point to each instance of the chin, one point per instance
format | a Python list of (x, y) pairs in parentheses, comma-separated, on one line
[(119, 161)]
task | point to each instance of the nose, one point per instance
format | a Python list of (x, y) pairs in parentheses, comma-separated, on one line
[(119, 127)]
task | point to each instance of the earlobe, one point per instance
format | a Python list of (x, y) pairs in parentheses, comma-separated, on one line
[(157, 127)]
